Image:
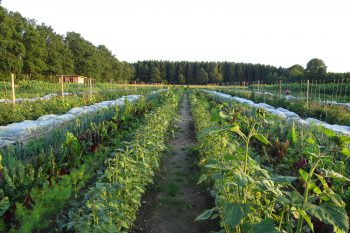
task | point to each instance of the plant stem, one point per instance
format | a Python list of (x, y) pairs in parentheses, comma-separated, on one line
[(287, 220), (246, 155), (306, 194), (281, 220)]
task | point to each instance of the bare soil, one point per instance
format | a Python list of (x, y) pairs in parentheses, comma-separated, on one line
[(173, 202)]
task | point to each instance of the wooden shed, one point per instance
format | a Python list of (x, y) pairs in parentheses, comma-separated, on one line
[(72, 79)]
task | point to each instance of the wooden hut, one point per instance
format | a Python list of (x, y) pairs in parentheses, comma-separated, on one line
[(71, 79)]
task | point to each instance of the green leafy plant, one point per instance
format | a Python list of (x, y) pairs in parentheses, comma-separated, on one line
[(255, 198)]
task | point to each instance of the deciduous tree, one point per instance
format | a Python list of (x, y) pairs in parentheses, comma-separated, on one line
[(316, 69)]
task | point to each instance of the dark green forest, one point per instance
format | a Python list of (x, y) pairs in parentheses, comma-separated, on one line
[(230, 73), (33, 51)]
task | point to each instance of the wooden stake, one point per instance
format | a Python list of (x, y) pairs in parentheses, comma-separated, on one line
[(324, 89), (341, 85), (13, 89), (90, 87), (280, 83), (307, 94), (337, 93), (62, 87)]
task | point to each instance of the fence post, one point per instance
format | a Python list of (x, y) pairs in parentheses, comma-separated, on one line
[(310, 89), (280, 83), (337, 92), (62, 87), (319, 92), (13, 89), (90, 87), (324, 89), (258, 86), (307, 94), (341, 88), (345, 91)]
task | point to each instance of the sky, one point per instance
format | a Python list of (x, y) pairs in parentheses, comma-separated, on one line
[(274, 32)]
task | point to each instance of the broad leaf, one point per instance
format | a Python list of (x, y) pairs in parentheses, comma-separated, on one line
[(330, 214), (303, 174), (283, 179), (317, 190), (247, 227), (266, 225), (323, 182), (261, 138), (234, 213), (202, 178), (336, 199), (4, 205), (344, 139), (205, 215), (327, 132), (346, 151), (213, 166), (241, 179), (306, 218), (335, 175), (313, 155), (283, 200)]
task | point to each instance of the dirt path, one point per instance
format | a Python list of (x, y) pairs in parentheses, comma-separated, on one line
[(172, 203)]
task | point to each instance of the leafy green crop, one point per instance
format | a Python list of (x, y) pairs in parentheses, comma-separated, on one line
[(257, 194), (41, 187), (111, 204)]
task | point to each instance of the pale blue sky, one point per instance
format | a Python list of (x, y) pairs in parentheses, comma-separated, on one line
[(276, 32)]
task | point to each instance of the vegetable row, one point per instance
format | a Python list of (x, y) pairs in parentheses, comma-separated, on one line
[(38, 191), (56, 105), (268, 175), (284, 113), (111, 205), (318, 90), (331, 113), (36, 89)]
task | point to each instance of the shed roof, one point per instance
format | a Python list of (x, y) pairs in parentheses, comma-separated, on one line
[(70, 75)]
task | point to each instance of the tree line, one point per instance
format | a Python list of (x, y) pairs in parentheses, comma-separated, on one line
[(33, 51), (229, 72)]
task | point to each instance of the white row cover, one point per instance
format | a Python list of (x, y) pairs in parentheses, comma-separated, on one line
[(286, 114), (48, 96), (45, 97), (27, 129), (290, 97)]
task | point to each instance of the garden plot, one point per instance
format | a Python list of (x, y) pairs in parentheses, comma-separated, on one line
[(281, 112), (26, 130), (45, 97), (291, 97), (273, 170), (48, 96)]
